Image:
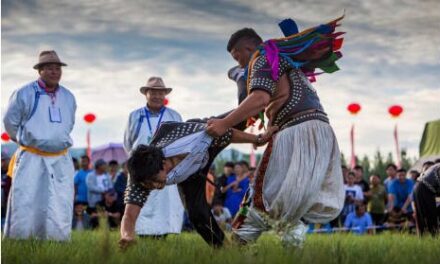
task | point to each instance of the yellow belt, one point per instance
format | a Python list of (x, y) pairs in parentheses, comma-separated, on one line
[(32, 150)]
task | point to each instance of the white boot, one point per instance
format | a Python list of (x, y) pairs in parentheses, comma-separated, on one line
[(295, 235)]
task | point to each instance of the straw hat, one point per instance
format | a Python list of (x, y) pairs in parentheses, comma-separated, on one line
[(47, 57), (155, 83)]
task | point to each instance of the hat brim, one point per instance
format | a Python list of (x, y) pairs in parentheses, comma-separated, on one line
[(38, 65), (144, 89)]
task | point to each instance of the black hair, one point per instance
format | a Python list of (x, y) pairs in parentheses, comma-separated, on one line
[(144, 163), (428, 163), (113, 162), (244, 33), (437, 161), (401, 170), (358, 167), (243, 163), (391, 165), (229, 164), (85, 157), (351, 173), (343, 167)]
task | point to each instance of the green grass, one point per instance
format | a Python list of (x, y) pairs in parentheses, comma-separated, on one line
[(101, 247)]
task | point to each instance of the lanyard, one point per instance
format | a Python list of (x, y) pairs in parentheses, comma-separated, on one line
[(147, 115), (52, 95)]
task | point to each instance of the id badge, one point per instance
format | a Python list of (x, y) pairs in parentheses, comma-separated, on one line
[(54, 114)]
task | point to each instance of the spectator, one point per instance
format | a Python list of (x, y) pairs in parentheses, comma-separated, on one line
[(377, 202), (359, 180), (353, 195), (426, 165), (112, 210), (220, 182), (359, 221), (391, 171), (6, 186), (75, 165), (400, 193), (345, 172), (235, 189), (81, 220), (414, 175), (98, 182), (396, 219), (121, 184), (113, 167), (222, 216), (80, 180), (210, 185)]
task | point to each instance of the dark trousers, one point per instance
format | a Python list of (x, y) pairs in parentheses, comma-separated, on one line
[(378, 219), (193, 196), (427, 214)]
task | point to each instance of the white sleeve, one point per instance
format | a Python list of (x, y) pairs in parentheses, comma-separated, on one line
[(73, 112), (15, 114), (128, 143), (359, 194)]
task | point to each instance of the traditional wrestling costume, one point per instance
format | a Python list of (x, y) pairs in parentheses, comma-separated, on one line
[(300, 174), (189, 138), (41, 197)]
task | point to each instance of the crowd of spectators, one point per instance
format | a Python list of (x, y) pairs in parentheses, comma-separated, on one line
[(376, 206)]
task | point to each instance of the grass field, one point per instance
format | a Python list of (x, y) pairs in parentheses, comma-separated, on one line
[(101, 247)]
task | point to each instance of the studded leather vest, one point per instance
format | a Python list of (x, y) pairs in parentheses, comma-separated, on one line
[(302, 103)]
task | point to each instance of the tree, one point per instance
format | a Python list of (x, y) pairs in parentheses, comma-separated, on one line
[(406, 161), (343, 161), (365, 163), (379, 165)]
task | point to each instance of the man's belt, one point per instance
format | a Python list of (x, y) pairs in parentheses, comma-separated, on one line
[(297, 118), (11, 166)]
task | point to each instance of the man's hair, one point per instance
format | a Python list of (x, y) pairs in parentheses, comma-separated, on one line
[(428, 163), (113, 162), (391, 165), (401, 170), (243, 163), (358, 167), (85, 157), (244, 34), (351, 173), (144, 163), (229, 164)]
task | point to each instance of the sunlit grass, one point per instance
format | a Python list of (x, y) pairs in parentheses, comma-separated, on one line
[(101, 247)]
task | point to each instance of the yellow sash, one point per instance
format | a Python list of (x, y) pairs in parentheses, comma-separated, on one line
[(32, 150)]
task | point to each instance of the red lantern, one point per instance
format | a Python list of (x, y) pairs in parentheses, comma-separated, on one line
[(354, 108), (5, 137), (395, 110), (89, 118), (165, 101)]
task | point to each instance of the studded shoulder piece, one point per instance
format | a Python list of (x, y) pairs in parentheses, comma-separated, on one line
[(169, 132)]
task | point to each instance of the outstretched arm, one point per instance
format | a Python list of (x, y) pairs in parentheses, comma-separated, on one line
[(261, 139), (251, 106), (128, 224)]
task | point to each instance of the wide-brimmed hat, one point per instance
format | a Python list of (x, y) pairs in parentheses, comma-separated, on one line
[(155, 83), (48, 57)]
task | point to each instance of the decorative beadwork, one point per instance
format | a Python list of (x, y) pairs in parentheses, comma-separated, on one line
[(136, 194), (224, 140)]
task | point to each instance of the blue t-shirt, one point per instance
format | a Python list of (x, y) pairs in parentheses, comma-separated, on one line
[(81, 185), (233, 197), (401, 191), (357, 224)]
